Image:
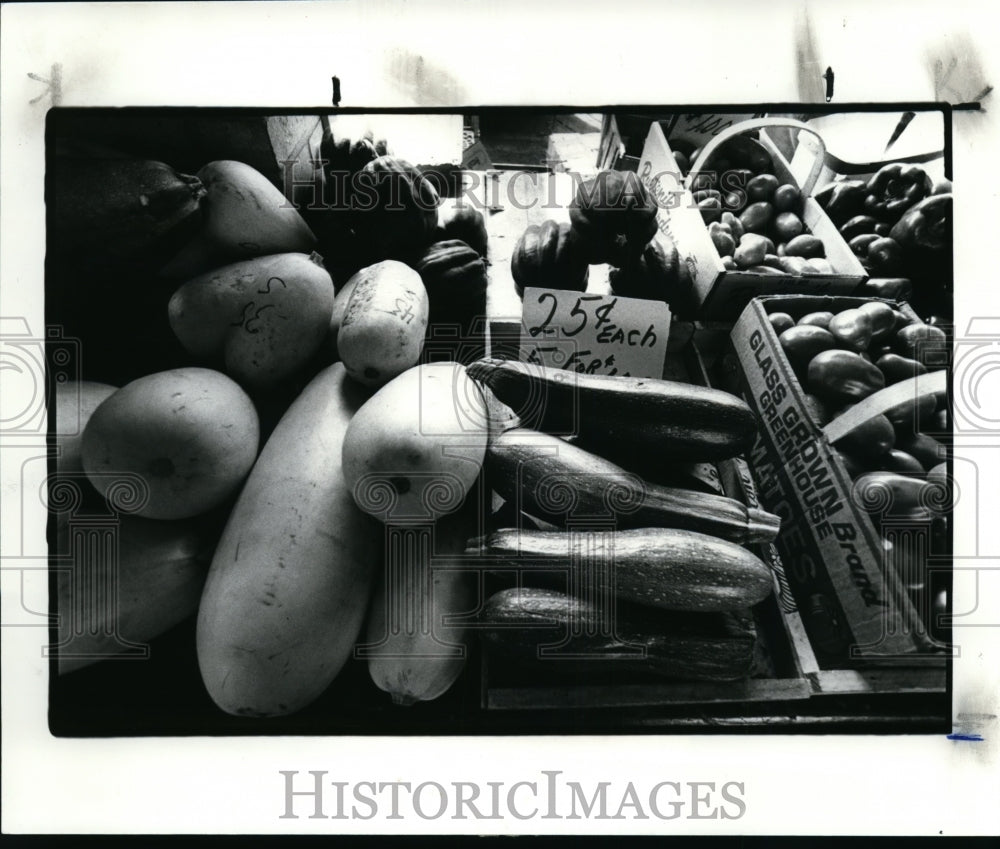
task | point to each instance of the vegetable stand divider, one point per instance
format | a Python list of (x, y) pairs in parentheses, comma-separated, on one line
[(854, 604), (722, 293)]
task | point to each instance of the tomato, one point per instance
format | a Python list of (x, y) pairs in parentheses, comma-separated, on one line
[(870, 440), (757, 216), (807, 246), (882, 317), (761, 188), (922, 342), (819, 319), (843, 376), (803, 342), (895, 460), (852, 329), (896, 369), (781, 321), (787, 198)]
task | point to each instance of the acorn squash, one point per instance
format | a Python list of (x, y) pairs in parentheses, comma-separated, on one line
[(550, 255)]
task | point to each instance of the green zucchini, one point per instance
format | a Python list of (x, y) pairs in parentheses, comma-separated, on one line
[(561, 630), (561, 483), (662, 418), (682, 474), (656, 567)]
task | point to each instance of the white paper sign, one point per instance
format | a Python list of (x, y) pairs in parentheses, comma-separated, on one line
[(594, 334)]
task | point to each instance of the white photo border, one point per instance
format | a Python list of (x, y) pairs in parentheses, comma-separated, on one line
[(284, 55)]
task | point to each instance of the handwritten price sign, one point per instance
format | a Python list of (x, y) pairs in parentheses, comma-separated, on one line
[(594, 334)]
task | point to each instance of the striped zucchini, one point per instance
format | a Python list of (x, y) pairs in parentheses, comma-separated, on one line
[(657, 567), (561, 483), (663, 418), (563, 631)]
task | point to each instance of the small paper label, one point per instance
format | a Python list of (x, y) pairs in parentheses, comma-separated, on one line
[(701, 127), (594, 334)]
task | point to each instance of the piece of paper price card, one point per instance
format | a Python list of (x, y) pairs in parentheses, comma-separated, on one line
[(594, 334)]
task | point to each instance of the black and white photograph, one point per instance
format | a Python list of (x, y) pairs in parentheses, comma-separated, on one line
[(498, 432)]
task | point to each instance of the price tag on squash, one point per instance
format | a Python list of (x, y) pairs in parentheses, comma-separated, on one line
[(594, 334)]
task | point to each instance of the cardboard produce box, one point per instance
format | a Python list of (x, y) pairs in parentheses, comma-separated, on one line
[(855, 607), (718, 293)]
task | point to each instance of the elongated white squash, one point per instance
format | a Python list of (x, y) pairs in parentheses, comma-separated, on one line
[(294, 571), (417, 645)]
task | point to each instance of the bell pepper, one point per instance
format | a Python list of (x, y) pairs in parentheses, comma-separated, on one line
[(734, 225), (842, 201), (884, 256), (857, 226), (652, 275), (941, 187), (926, 226), (613, 204), (894, 188), (859, 244)]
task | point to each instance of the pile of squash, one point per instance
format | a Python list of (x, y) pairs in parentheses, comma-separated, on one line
[(223, 359)]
